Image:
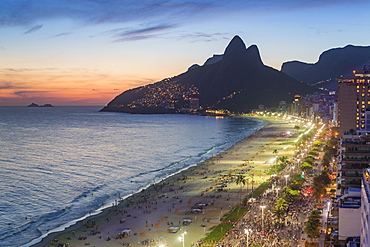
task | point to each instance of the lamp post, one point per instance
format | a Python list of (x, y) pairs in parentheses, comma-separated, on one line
[(246, 231), (182, 238), (277, 191), (286, 180), (262, 207)]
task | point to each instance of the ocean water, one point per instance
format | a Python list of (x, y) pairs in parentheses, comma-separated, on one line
[(58, 164)]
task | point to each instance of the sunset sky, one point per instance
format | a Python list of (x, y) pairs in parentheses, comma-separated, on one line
[(85, 52)]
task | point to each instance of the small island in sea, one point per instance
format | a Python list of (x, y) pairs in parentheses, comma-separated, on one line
[(36, 105)]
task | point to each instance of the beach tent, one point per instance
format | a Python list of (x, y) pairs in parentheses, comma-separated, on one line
[(196, 211), (186, 222), (173, 229), (126, 232)]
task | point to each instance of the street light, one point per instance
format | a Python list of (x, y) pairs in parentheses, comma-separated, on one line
[(277, 191), (247, 231), (262, 207), (182, 238), (286, 180)]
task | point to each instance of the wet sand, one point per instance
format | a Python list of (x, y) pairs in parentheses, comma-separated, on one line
[(150, 213)]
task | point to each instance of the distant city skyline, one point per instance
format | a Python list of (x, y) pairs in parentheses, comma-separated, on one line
[(87, 52)]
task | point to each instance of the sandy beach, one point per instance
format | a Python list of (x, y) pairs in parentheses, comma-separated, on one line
[(147, 216)]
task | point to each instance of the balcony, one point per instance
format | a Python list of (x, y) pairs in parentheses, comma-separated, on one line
[(351, 175), (355, 152), (351, 183), (360, 161), (356, 166)]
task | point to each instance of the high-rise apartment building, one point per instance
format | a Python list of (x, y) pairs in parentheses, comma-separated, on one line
[(353, 100), (353, 158), (365, 209)]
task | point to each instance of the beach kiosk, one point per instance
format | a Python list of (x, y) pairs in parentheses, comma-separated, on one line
[(173, 229)]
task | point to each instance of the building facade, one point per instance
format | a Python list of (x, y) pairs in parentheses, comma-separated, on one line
[(365, 209), (353, 100), (353, 158)]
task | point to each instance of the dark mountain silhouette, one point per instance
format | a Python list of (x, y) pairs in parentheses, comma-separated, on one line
[(332, 64), (237, 81), (214, 59)]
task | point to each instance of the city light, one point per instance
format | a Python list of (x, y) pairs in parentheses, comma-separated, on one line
[(286, 179), (182, 238), (247, 231), (262, 207), (277, 191)]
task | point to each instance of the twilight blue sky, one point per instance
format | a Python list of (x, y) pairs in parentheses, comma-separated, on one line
[(85, 52)]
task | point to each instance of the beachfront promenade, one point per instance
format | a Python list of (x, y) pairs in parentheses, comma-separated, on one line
[(202, 194)]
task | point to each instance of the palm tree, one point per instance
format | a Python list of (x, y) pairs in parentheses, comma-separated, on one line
[(242, 180), (283, 159), (280, 209)]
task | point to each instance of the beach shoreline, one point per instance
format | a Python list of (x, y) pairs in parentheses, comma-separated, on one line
[(149, 213)]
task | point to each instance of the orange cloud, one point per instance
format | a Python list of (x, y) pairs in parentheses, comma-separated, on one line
[(72, 87)]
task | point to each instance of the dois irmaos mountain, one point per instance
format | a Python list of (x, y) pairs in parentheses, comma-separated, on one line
[(237, 81)]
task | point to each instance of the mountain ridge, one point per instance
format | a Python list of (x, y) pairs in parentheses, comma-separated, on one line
[(331, 64), (239, 82)]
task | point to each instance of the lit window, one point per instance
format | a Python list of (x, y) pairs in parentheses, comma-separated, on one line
[(357, 118)]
